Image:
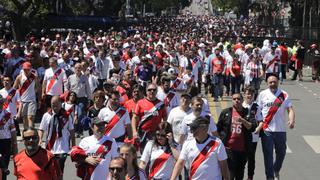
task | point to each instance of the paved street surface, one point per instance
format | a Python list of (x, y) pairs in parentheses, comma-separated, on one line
[(303, 152)]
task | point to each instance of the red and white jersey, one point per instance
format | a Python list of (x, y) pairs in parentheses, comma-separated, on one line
[(188, 79), (61, 144), (175, 118), (117, 121), (106, 148), (178, 84), (188, 119), (11, 101), (265, 101), (55, 81), (70, 108), (161, 161), (170, 99), (271, 60), (208, 166), (27, 88)]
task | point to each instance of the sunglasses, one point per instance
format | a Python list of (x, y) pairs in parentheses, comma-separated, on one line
[(236, 98), (29, 138), (119, 169), (152, 90)]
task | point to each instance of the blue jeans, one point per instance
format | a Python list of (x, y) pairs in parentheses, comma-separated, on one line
[(235, 84), (277, 141), (217, 81)]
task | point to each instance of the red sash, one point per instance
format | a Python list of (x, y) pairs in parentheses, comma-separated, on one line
[(5, 118), (26, 84), (271, 62), (116, 118), (211, 146), (176, 84), (158, 163), (190, 80), (53, 80), (8, 99), (273, 110), (168, 98)]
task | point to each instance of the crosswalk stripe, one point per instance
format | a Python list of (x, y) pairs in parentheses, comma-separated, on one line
[(313, 142)]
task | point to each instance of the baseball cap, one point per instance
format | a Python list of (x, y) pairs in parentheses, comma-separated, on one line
[(199, 121), (26, 65), (97, 120)]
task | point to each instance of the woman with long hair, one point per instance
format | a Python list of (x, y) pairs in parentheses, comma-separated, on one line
[(129, 153), (160, 154)]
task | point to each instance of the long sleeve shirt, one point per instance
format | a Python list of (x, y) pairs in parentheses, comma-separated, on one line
[(79, 85)]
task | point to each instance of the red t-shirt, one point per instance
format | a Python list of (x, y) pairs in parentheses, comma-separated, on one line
[(236, 69), (236, 140), (130, 106), (284, 55), (41, 165), (155, 116)]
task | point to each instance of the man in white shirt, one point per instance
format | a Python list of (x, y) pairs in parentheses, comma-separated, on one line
[(27, 83), (12, 98), (204, 155), (196, 105), (273, 104), (94, 153), (103, 65), (59, 129), (177, 114), (165, 94), (117, 119), (54, 81)]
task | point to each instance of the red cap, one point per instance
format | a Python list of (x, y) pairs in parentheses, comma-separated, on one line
[(26, 65)]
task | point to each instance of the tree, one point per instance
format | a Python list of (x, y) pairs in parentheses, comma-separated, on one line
[(20, 12)]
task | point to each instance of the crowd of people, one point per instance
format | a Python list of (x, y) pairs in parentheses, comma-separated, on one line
[(138, 91)]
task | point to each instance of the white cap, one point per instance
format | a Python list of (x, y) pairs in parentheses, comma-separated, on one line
[(201, 45), (184, 41)]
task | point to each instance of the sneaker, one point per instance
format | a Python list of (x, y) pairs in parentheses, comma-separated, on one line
[(276, 176)]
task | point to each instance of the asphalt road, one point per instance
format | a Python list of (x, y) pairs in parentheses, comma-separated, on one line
[(303, 153)]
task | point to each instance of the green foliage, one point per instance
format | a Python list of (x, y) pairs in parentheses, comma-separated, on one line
[(225, 5)]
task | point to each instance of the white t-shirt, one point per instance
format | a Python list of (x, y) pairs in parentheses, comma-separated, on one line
[(150, 153), (188, 119), (57, 87), (29, 94), (119, 129), (209, 168), (175, 118), (91, 145), (267, 59), (12, 107), (265, 101), (61, 145)]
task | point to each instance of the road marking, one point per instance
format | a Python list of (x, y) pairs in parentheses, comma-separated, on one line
[(305, 87), (315, 94), (310, 91), (313, 142), (288, 151)]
